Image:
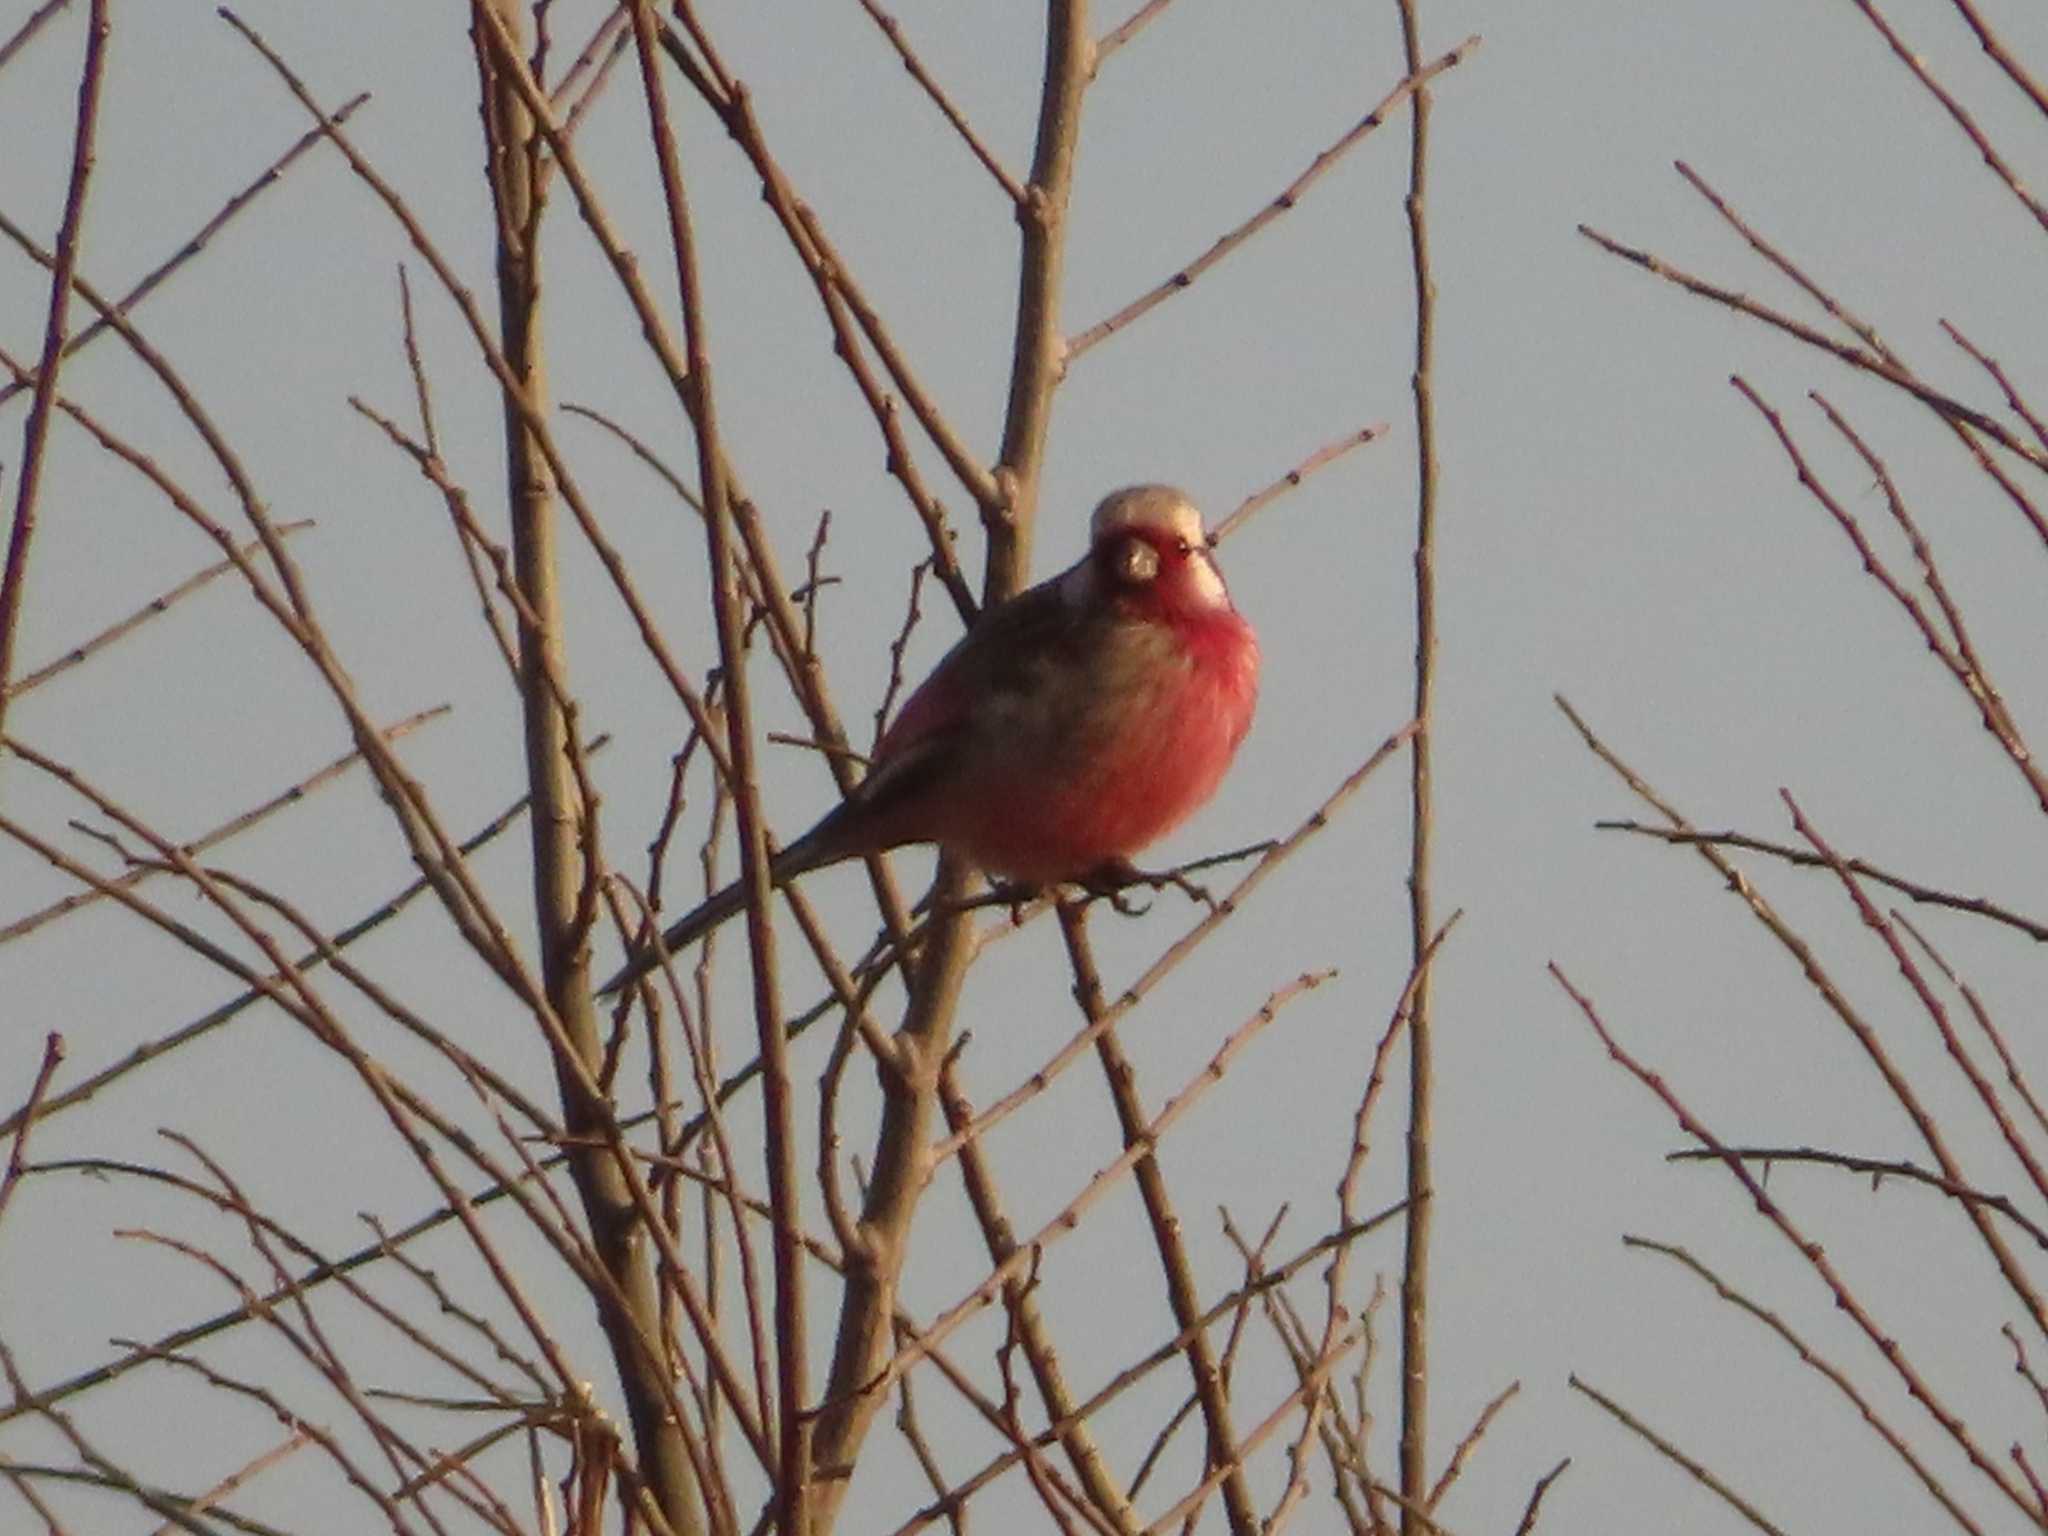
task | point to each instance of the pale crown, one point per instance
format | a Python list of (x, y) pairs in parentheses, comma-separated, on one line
[(1159, 507)]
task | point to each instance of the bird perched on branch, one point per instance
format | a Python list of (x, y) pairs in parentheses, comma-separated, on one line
[(1071, 726)]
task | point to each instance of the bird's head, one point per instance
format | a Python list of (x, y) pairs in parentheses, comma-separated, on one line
[(1148, 551)]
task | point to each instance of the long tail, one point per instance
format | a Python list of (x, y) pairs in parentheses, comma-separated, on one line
[(807, 853)]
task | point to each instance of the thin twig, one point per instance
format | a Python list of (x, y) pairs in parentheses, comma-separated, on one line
[(1836, 310), (2013, 1075), (1182, 1294), (234, 826), (893, 30), (85, 650), (791, 1465), (1995, 46), (1804, 858), (1671, 1452), (1879, 1169), (172, 1507), (35, 434), (1990, 707), (1855, 357), (1076, 1438), (23, 1120), (2016, 1276), (1835, 1376), (1326, 455), (1812, 1252), (1068, 1218), (1130, 1375), (2013, 397), (1536, 1495), (1419, 75), (1415, 1372), (1966, 665), (1960, 116), (23, 34), (152, 1050), (1174, 953), (1264, 1430), (1144, 16), (1868, 335), (1462, 1452), (196, 243)]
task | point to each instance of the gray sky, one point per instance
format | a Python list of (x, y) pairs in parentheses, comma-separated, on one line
[(1616, 523)]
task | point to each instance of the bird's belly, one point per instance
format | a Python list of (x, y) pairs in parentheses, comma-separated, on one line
[(1110, 784)]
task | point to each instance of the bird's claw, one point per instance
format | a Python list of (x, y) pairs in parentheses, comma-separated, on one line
[(1111, 880), (1193, 890), (1124, 905), (1016, 895)]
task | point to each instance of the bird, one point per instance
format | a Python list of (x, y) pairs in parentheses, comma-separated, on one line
[(1072, 726)]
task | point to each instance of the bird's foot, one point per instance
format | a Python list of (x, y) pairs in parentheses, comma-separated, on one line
[(1112, 879), (1017, 895)]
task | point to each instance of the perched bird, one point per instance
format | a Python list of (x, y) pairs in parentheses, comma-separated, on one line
[(1071, 726)]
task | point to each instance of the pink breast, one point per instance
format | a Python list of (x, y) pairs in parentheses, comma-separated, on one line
[(1162, 762)]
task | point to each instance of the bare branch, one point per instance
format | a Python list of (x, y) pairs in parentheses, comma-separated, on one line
[(1419, 75), (35, 434), (1671, 1452), (1835, 1376), (1683, 837), (1324, 456), (1813, 1253), (893, 30)]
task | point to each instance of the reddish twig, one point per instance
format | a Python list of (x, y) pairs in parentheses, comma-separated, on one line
[(1835, 308), (1803, 858), (85, 650), (893, 30), (1864, 361), (1181, 1291), (2013, 1075), (2016, 1277), (26, 32), (1536, 1495), (35, 434), (1171, 1349), (1995, 46), (1068, 1218), (196, 243), (1419, 75), (234, 826), (1990, 707), (23, 1120), (1879, 1169), (1812, 1252), (1083, 1454), (1175, 953), (1835, 1376), (1415, 1372), (1672, 1453), (1141, 18), (1326, 455), (2013, 398), (1867, 333), (1462, 1452), (1958, 114)]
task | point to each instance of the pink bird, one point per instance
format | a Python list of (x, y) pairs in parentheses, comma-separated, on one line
[(1072, 725)]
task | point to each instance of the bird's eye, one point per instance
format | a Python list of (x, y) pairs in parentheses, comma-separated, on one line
[(1184, 547), (1135, 562)]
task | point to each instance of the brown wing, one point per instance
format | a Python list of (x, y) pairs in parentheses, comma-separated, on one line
[(1005, 655)]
